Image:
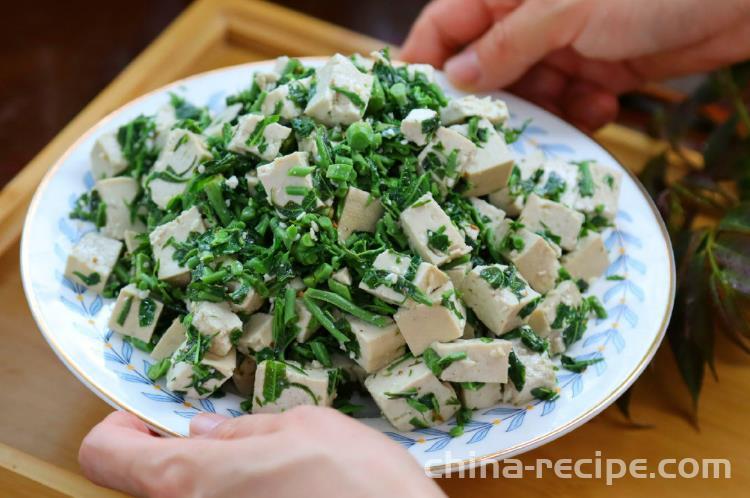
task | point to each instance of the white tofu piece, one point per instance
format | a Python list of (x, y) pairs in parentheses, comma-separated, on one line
[(510, 199), (117, 194), (279, 98), (189, 221), (470, 331), (422, 325), (257, 334), (545, 313), (561, 173), (457, 274), (275, 178), (126, 315), (164, 119), (227, 115), (332, 107), (170, 340), (497, 308), (343, 276), (217, 321), (536, 259), (391, 387), (132, 240), (244, 376), (417, 124), (106, 157), (427, 277), (480, 396), (315, 392), (377, 346), (180, 377), (492, 164), (363, 62), (447, 156), (252, 181), (250, 303), (361, 213), (424, 218), (308, 144), (489, 213), (606, 190), (459, 110), (486, 360), (589, 260), (182, 153), (543, 216), (92, 259), (270, 137), (540, 372), (305, 322), (412, 70)]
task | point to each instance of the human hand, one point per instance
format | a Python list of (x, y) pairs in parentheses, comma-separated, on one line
[(307, 451), (574, 57)]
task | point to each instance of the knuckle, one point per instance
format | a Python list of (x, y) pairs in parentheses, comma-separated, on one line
[(169, 476)]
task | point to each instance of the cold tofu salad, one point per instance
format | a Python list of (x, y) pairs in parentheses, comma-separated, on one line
[(340, 232)]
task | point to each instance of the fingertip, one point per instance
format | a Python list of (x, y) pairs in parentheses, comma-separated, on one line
[(463, 69), (203, 423)]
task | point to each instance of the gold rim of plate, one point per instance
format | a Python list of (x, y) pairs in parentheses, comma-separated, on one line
[(436, 469)]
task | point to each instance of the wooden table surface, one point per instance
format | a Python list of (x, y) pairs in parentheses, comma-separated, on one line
[(46, 411)]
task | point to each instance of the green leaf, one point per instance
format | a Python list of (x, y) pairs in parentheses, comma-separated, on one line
[(275, 381), (516, 371)]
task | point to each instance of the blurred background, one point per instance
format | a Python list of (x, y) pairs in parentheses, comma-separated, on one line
[(55, 56)]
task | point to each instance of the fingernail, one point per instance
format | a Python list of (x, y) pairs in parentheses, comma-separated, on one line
[(463, 69), (203, 423)]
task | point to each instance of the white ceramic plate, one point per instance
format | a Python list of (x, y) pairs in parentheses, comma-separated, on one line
[(73, 320)]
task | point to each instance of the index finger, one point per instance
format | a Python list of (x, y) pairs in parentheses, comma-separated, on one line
[(446, 26)]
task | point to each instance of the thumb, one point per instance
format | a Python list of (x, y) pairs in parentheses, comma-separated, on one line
[(517, 42)]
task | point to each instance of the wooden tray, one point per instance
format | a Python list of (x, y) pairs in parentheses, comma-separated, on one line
[(47, 411)]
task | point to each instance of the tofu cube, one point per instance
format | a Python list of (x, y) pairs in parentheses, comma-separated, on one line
[(182, 377), (308, 144), (265, 138), (545, 313), (133, 240), (117, 194), (377, 346), (553, 220), (106, 157), (426, 70), (446, 157), (540, 372), (427, 277), (459, 110), (306, 324), (394, 385), (490, 214), (343, 276), (486, 360), (278, 100), (135, 313), (217, 321), (361, 213), (535, 257), (227, 115), (164, 119), (492, 164), (92, 259), (257, 334), (419, 124), (558, 181), (497, 293), (426, 227), (479, 396), (603, 193), (457, 274), (179, 229), (248, 304), (589, 260), (443, 321), (341, 94), (243, 377), (510, 198), (252, 181), (316, 390), (182, 153), (275, 178), (170, 340)]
